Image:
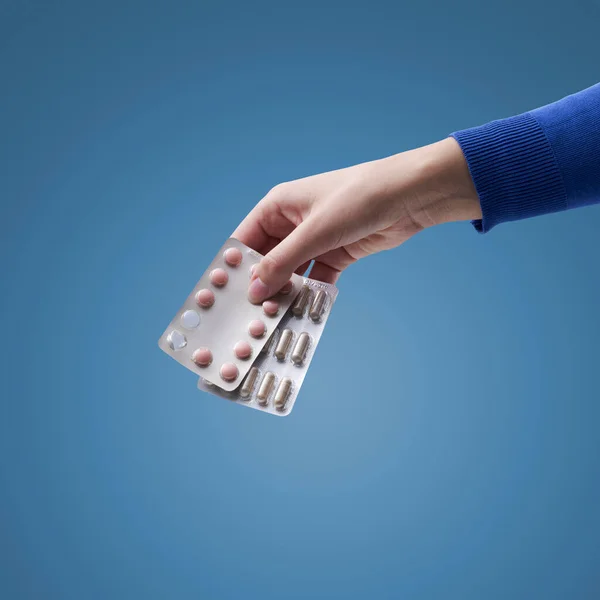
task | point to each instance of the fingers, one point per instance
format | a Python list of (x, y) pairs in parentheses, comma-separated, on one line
[(327, 267), (265, 225), (251, 231), (324, 273), (308, 240), (302, 268)]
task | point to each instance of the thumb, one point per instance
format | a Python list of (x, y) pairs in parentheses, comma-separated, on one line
[(305, 242)]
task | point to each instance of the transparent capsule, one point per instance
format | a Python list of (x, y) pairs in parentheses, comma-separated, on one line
[(282, 394), (301, 301), (318, 306), (266, 385), (249, 383), (285, 339), (300, 348)]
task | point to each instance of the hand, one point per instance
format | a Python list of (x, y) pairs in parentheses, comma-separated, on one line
[(339, 217)]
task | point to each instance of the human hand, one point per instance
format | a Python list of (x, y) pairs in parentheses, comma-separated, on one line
[(339, 217)]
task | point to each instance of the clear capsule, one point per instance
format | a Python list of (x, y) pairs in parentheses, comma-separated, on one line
[(318, 306), (249, 383), (285, 339), (299, 351), (266, 385), (282, 394), (301, 301)]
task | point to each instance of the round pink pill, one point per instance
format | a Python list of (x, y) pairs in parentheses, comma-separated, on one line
[(219, 277), (287, 288), (233, 256), (270, 307), (256, 328), (202, 357), (228, 371), (242, 350), (205, 298)]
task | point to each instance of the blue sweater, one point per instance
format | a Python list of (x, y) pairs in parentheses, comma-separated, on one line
[(536, 163)]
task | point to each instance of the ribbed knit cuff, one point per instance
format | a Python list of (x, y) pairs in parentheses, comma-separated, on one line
[(514, 170)]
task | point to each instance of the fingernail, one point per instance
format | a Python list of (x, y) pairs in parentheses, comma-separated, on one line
[(258, 291)]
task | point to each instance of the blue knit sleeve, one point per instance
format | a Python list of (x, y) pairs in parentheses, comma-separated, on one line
[(536, 163)]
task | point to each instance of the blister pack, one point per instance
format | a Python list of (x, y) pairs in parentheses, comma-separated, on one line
[(276, 376), (218, 332), (255, 355)]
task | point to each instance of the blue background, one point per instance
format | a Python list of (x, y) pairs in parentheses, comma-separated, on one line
[(445, 444)]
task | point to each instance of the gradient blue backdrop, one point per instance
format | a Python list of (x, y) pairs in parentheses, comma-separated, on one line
[(459, 459)]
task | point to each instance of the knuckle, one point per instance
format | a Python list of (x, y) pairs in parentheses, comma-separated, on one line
[(280, 191)]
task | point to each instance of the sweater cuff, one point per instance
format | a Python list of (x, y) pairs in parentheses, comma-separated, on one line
[(514, 170)]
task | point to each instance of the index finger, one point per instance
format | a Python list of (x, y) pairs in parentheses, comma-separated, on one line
[(251, 232)]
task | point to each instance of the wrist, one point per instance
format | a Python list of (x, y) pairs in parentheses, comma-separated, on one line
[(444, 190)]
